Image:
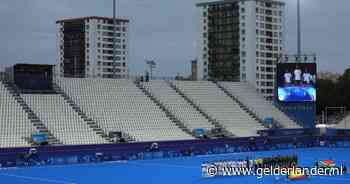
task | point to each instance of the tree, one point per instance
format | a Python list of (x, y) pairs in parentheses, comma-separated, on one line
[(343, 89), (325, 94), (333, 94)]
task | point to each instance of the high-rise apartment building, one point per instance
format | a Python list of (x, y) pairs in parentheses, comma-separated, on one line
[(86, 47), (241, 40)]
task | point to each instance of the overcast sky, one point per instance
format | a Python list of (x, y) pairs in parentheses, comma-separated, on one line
[(164, 30)]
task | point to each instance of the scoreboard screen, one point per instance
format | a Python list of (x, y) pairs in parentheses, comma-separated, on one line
[(296, 82)]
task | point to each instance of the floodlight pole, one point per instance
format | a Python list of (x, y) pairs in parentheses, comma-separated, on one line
[(114, 37), (299, 31)]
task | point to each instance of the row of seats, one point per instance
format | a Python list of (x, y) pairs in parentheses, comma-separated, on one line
[(344, 124), (256, 103), (119, 105), (177, 105), (15, 126), (61, 119), (220, 107)]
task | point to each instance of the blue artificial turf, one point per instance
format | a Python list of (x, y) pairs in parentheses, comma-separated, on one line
[(167, 171)]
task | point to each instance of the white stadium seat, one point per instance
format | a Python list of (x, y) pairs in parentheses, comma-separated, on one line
[(119, 105), (256, 103), (178, 105), (344, 123), (14, 123), (64, 123), (220, 107)]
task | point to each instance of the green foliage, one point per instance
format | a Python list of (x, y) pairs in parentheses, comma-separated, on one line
[(333, 94)]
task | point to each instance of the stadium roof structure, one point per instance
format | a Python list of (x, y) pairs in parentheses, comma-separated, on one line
[(90, 17)]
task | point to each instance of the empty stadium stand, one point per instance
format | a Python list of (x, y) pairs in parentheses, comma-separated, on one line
[(88, 111), (248, 96), (88, 120), (187, 114), (220, 107), (119, 105), (32, 116), (344, 123), (15, 127), (61, 119), (170, 114), (220, 130)]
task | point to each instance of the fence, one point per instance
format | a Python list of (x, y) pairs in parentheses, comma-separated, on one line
[(54, 155)]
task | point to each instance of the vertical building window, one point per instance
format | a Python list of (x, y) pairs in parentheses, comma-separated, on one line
[(244, 76)]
